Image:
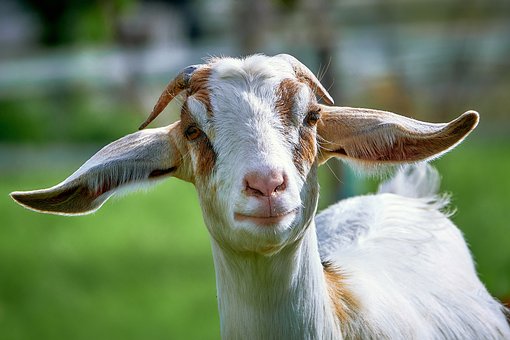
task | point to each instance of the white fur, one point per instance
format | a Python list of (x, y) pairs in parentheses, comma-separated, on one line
[(247, 136), (408, 264)]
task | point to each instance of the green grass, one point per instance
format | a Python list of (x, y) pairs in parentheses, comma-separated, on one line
[(477, 175), (141, 267)]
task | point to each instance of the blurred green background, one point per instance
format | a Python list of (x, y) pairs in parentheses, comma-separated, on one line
[(75, 75)]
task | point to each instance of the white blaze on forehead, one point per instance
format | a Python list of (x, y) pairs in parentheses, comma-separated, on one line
[(243, 94), (257, 65)]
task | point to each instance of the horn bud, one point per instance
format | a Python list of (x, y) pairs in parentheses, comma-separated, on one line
[(174, 87), (305, 74)]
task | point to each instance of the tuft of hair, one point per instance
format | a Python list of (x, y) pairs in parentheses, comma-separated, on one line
[(416, 181), (377, 170), (419, 180)]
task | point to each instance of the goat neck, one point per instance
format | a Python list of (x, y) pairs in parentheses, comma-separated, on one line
[(283, 296)]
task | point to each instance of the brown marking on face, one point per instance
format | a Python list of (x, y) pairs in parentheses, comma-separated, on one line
[(343, 301), (285, 99), (199, 87), (183, 165), (186, 118), (305, 150), (206, 156), (309, 82)]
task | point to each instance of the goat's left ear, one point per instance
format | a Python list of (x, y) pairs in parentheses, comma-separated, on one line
[(373, 136), (134, 159)]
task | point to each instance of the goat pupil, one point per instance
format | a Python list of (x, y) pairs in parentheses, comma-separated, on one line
[(192, 132), (312, 118)]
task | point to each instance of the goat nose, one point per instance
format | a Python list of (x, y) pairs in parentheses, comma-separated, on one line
[(264, 184)]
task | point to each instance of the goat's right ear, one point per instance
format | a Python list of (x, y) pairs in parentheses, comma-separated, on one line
[(140, 157), (379, 137)]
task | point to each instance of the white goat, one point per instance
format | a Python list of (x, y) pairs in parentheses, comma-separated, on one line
[(250, 137)]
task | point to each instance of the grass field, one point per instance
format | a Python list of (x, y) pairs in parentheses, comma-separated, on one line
[(141, 267), (478, 177)]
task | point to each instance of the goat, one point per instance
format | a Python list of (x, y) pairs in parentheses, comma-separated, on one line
[(251, 136)]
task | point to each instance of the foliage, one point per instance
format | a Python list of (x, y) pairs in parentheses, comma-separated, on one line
[(65, 21), (73, 117)]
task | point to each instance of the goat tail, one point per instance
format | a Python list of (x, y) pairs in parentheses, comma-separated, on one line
[(419, 180)]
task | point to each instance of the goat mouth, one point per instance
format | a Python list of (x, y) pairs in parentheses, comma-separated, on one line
[(265, 220)]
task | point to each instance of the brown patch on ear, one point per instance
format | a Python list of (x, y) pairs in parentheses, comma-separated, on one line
[(403, 148), (413, 148), (375, 136), (343, 301), (198, 87)]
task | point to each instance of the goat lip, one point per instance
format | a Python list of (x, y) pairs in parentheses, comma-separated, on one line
[(264, 220)]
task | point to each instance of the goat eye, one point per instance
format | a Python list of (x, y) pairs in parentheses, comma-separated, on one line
[(312, 117), (192, 132)]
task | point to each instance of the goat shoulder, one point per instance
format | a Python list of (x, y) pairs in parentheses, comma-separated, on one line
[(404, 255)]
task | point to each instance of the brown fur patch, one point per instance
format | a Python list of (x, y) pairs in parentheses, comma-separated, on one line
[(206, 157), (305, 150), (182, 161), (285, 98), (402, 149), (199, 87), (343, 301), (202, 146), (186, 118), (376, 136)]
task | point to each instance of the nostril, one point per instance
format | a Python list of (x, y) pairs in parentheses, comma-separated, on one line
[(252, 191), (264, 184), (281, 187)]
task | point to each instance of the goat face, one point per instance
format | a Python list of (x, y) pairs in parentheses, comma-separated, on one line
[(248, 139), (254, 122)]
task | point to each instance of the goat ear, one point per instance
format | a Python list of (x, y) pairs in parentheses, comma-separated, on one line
[(140, 157), (373, 136)]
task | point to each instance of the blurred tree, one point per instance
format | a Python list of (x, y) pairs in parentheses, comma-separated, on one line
[(394, 91), (251, 19), (65, 21)]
